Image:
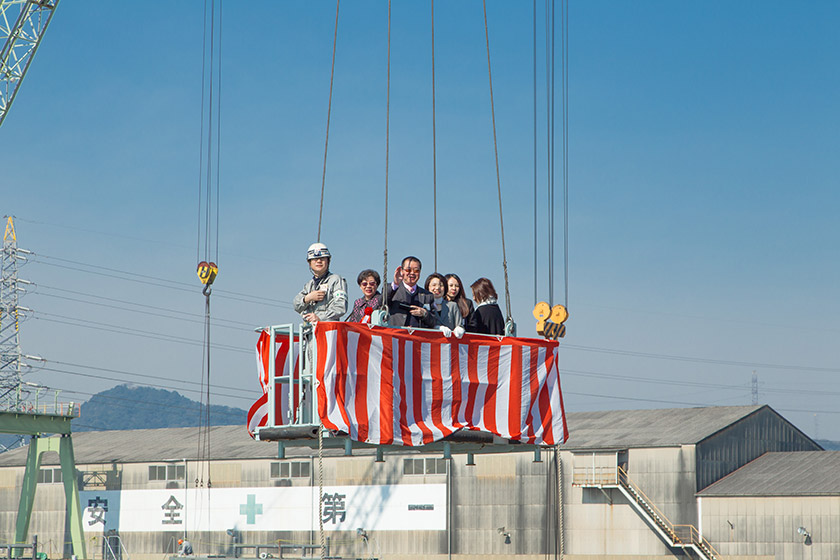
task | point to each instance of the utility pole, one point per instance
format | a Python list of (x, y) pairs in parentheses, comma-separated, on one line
[(754, 387), (11, 315)]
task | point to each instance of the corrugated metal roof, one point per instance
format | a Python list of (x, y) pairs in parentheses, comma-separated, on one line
[(164, 444), (794, 473), (613, 429)]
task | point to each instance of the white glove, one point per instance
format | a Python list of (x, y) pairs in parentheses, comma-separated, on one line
[(447, 332), (459, 332)]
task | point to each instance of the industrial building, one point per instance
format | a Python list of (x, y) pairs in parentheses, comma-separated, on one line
[(717, 482)]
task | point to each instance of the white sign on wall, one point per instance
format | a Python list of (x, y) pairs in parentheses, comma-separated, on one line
[(415, 507)]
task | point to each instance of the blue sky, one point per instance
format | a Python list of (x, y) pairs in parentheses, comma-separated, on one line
[(703, 177)]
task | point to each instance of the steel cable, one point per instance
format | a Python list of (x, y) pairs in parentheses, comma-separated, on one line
[(329, 113), (496, 153), (535, 153), (201, 138), (566, 152), (434, 141), (387, 154)]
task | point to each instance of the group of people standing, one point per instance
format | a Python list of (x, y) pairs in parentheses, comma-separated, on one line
[(441, 304)]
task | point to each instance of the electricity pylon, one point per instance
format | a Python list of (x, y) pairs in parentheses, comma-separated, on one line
[(11, 315)]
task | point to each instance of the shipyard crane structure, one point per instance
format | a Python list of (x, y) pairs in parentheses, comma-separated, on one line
[(23, 24)]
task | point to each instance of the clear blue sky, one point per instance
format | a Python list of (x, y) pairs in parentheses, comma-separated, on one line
[(703, 175)]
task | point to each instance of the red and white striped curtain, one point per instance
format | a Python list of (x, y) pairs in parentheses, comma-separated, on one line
[(402, 387)]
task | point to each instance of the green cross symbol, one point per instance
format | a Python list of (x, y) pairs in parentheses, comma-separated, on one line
[(251, 509)]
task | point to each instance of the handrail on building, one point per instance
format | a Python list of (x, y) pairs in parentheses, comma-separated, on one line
[(690, 534), (681, 535), (594, 476), (625, 481), (68, 409)]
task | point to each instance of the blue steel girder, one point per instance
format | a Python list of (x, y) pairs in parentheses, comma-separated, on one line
[(22, 26)]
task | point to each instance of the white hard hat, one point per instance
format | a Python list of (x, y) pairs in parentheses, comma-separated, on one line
[(317, 250)]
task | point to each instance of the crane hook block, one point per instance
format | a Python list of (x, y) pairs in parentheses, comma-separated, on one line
[(207, 272), (550, 320)]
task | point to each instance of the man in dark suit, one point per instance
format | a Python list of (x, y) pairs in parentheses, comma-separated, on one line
[(409, 305)]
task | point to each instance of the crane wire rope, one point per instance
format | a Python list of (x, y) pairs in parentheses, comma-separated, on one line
[(387, 152), (565, 30), (202, 205), (211, 79), (329, 113), (434, 141), (535, 151), (564, 86), (496, 153), (551, 138), (218, 136), (320, 218), (321, 489), (208, 207), (201, 138)]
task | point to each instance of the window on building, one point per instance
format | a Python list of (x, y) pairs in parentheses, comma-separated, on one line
[(290, 469), (167, 472), (428, 465), (49, 475)]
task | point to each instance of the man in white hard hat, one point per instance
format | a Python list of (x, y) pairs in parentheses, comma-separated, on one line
[(324, 297)]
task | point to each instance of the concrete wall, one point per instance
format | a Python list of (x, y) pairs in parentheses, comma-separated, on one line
[(605, 523), (768, 526), (504, 490), (47, 519), (509, 491)]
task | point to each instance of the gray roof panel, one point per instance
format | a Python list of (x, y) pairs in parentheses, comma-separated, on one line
[(668, 427), (612, 429), (793, 473)]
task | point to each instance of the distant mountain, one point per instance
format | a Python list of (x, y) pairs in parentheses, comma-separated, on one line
[(127, 407), (829, 445)]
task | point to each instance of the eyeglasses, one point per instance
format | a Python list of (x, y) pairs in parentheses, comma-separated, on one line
[(412, 270), (365, 283)]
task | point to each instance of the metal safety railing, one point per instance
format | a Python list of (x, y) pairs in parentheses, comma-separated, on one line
[(114, 549), (595, 476), (69, 409), (683, 536), (690, 535), (658, 517), (298, 374)]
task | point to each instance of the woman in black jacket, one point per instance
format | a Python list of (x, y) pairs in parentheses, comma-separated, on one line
[(487, 317)]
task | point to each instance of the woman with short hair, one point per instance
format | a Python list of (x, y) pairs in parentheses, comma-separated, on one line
[(368, 281)]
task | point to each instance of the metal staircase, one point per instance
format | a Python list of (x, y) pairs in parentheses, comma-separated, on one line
[(686, 537)]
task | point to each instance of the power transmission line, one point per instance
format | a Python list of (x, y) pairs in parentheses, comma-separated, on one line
[(143, 305), (153, 385), (118, 329), (170, 284), (153, 314), (111, 235), (144, 375), (634, 354)]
